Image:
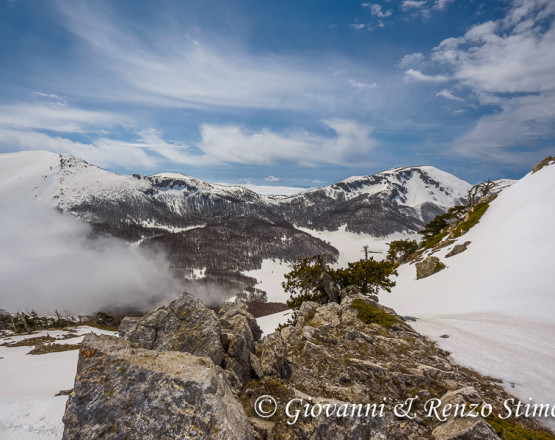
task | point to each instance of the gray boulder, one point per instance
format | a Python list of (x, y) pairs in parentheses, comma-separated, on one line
[(428, 267), (239, 334), (186, 325), (126, 392), (459, 248)]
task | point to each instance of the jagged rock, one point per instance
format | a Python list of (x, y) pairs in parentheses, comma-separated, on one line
[(428, 267), (544, 162), (457, 249), (186, 324), (239, 333), (306, 312), (465, 429), (272, 351), (335, 358), (126, 392), (328, 314), (256, 366)]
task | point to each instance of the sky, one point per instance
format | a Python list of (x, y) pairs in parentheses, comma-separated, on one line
[(288, 93)]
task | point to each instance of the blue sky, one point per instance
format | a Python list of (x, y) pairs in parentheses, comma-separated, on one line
[(296, 93)]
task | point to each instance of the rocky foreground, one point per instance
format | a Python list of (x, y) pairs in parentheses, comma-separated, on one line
[(186, 372)]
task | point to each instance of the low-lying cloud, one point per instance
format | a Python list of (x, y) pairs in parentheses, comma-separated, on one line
[(51, 261)]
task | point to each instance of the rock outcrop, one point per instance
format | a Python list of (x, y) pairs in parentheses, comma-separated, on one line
[(457, 249), (428, 267), (331, 357), (186, 325), (358, 359), (122, 391), (239, 333)]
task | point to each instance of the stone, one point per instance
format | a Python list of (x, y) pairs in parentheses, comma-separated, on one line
[(122, 391), (459, 248), (429, 266), (239, 334), (256, 366), (186, 325), (465, 429), (263, 429), (272, 352)]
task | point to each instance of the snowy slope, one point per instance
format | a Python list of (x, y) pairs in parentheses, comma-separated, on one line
[(496, 300), (29, 409)]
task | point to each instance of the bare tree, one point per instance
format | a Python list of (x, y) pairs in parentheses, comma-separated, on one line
[(480, 190)]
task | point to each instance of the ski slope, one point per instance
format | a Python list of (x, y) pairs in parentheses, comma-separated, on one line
[(496, 300)]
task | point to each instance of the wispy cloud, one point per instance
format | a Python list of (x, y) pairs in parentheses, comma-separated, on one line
[(357, 26), (56, 118), (219, 145), (272, 179), (60, 100), (233, 144), (416, 75), (167, 69), (362, 85), (448, 95)]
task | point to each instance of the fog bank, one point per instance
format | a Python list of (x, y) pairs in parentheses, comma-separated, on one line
[(50, 261)]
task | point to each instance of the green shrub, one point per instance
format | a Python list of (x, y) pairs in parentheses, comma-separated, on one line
[(401, 250), (372, 315), (434, 240), (475, 215), (509, 430)]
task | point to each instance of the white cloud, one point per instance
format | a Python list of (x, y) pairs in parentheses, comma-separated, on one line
[(272, 179), (416, 75), (493, 58), (377, 11), (413, 4), (233, 144), (362, 85), (219, 145), (412, 60), (56, 118), (424, 7), (442, 4), (172, 70), (357, 26), (60, 100), (508, 63), (448, 95)]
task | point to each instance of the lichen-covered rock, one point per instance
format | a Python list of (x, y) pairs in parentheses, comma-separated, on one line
[(428, 267), (272, 352), (333, 357), (126, 392), (239, 333), (186, 324), (465, 429)]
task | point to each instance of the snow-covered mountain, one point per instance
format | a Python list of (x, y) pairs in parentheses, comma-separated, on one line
[(495, 301), (396, 200), (223, 230)]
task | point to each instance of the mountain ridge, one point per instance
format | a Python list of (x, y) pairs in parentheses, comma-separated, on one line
[(225, 230)]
